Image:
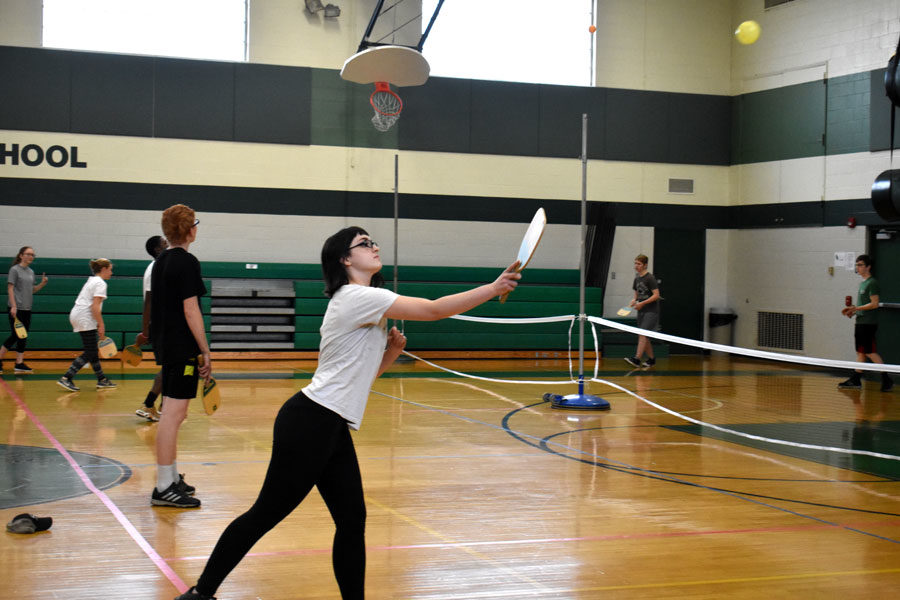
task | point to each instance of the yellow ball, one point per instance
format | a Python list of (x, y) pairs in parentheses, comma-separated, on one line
[(747, 32)]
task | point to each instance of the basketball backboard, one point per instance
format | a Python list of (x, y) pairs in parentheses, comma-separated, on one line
[(397, 65), (390, 53)]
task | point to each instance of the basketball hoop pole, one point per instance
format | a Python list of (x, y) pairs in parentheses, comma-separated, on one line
[(363, 44), (581, 400), (430, 24), (377, 13)]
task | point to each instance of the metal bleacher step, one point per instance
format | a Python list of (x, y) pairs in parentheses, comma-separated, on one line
[(248, 314)]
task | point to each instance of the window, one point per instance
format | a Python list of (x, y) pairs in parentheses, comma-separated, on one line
[(533, 41), (206, 29)]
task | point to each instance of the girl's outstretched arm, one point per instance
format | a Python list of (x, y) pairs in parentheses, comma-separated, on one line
[(410, 308)]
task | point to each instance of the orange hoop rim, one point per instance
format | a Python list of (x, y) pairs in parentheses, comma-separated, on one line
[(384, 87)]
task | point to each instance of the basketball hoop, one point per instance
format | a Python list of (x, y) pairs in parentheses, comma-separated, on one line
[(387, 105)]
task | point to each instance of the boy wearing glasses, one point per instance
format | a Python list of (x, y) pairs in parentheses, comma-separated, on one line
[(866, 324), (178, 337)]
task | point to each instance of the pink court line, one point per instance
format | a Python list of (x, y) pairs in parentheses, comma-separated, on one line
[(598, 538), (110, 505)]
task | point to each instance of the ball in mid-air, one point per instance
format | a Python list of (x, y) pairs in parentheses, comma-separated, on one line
[(747, 32), (592, 28)]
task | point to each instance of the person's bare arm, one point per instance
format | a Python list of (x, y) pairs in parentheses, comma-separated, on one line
[(653, 298), (144, 336), (194, 319), (410, 308)]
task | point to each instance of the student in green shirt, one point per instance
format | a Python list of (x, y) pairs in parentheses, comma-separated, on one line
[(864, 310)]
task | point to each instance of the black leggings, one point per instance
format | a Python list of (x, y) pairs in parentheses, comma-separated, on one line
[(90, 355), (13, 339), (311, 447)]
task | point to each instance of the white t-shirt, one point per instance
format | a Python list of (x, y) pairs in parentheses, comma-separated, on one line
[(147, 272), (80, 316), (354, 336)]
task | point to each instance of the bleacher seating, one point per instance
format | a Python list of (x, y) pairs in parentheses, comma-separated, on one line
[(543, 292)]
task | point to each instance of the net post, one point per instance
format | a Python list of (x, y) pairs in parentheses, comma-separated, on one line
[(581, 401), (581, 259)]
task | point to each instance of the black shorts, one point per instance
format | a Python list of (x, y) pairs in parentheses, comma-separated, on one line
[(864, 337), (180, 380)]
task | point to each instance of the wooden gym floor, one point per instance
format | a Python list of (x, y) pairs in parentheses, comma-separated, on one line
[(474, 489)]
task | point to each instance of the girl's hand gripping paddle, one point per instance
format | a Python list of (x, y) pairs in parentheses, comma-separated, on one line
[(530, 242)]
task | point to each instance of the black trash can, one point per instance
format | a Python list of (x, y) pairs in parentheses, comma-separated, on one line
[(721, 326)]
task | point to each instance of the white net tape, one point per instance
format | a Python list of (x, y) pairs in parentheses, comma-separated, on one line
[(679, 340), (793, 358)]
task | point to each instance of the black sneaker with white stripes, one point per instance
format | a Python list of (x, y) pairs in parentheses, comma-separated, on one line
[(184, 486), (175, 496)]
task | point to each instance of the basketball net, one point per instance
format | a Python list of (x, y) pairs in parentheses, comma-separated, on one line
[(387, 105)]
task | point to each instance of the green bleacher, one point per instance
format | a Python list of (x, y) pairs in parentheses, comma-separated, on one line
[(542, 293)]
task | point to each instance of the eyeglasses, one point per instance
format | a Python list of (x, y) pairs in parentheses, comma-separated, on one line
[(364, 244), (196, 222)]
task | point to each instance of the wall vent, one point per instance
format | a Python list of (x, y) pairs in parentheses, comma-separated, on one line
[(681, 186), (783, 331)]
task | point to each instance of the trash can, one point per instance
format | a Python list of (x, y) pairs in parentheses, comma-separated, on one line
[(721, 326)]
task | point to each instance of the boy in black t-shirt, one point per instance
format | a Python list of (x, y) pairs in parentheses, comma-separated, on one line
[(178, 337)]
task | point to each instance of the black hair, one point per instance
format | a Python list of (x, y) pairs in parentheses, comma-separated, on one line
[(866, 260), (335, 249), (154, 246)]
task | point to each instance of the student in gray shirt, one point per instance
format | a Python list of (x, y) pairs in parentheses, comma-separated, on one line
[(20, 290), (646, 301)]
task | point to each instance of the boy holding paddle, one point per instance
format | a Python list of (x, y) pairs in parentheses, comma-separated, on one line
[(178, 336), (646, 301)]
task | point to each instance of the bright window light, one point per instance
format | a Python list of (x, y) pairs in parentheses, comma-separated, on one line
[(534, 41), (207, 29)]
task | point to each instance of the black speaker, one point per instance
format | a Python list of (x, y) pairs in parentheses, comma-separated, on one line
[(886, 189), (892, 81), (886, 195)]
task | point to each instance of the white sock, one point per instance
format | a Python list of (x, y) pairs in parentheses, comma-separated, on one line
[(166, 475)]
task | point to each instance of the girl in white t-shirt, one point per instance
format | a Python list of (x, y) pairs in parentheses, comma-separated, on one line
[(312, 444), (87, 320)]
